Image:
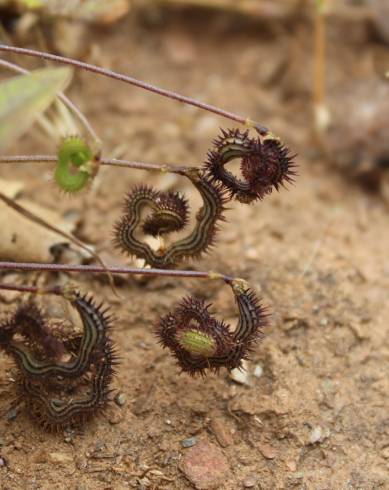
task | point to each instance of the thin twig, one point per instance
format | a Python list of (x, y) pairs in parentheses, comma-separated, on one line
[(31, 266), (138, 83), (113, 162)]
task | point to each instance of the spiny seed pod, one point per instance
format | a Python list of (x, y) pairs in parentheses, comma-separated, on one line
[(197, 242), (76, 166), (199, 342), (169, 214), (264, 164), (60, 393)]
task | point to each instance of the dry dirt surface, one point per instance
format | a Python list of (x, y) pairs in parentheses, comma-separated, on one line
[(313, 411)]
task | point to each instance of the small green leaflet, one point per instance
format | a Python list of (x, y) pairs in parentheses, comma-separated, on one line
[(25, 97)]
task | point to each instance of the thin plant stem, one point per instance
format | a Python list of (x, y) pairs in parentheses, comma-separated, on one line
[(62, 97), (138, 83), (31, 266), (113, 162)]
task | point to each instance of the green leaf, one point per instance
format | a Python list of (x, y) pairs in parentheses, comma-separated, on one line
[(24, 98)]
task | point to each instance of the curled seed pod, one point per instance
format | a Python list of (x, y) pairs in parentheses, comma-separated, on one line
[(170, 213), (62, 393), (264, 164), (76, 165), (53, 411), (95, 323), (199, 342), (198, 241)]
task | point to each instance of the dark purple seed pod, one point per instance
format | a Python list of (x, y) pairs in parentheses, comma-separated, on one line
[(199, 342), (170, 214), (264, 164)]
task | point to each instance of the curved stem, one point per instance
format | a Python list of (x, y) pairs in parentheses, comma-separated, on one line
[(138, 83), (65, 100), (33, 266)]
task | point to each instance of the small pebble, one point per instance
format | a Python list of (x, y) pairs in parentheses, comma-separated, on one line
[(191, 441), (267, 451), (240, 376), (120, 399), (318, 435), (315, 435), (205, 466), (2, 462), (250, 482), (115, 416), (258, 371)]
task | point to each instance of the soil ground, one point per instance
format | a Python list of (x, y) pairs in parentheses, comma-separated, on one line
[(317, 416)]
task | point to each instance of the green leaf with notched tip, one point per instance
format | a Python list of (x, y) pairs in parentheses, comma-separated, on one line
[(25, 97)]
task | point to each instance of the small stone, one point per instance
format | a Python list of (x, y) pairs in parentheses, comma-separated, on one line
[(267, 451), (318, 435), (205, 466), (3, 462), (60, 458), (250, 482), (220, 431), (315, 435), (191, 441), (120, 399), (114, 415), (241, 376), (258, 371)]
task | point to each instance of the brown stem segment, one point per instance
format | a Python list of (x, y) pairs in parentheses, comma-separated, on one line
[(94, 269), (112, 162), (138, 83)]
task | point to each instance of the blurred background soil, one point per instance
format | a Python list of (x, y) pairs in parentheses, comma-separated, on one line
[(312, 411)]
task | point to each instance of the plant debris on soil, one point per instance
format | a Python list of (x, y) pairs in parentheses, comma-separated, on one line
[(312, 410)]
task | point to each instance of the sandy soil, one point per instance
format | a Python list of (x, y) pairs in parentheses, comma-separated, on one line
[(317, 415)]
